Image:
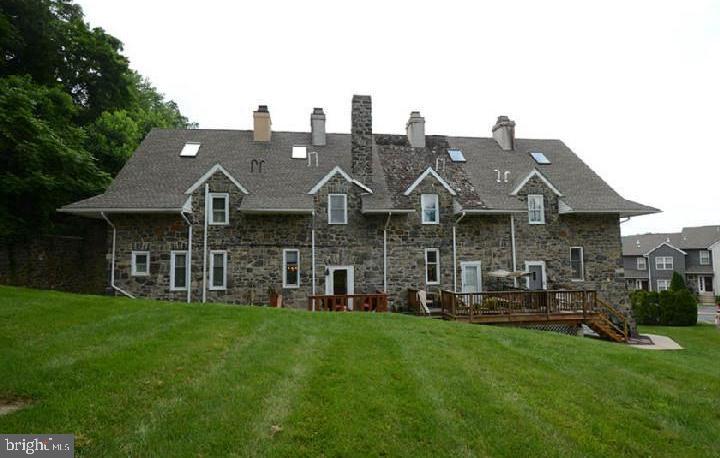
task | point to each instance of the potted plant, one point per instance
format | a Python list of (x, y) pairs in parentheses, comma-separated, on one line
[(275, 298)]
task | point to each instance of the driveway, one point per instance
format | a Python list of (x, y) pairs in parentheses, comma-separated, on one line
[(706, 314)]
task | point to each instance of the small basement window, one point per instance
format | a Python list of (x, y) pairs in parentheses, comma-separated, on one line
[(456, 155), (140, 263), (540, 158), (299, 152), (190, 149)]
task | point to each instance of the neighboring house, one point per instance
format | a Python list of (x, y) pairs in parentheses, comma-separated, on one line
[(225, 215), (650, 259)]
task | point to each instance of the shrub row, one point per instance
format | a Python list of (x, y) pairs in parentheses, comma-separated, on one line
[(668, 308)]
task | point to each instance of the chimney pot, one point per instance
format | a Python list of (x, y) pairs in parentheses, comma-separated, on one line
[(504, 133), (415, 129), (262, 125), (317, 127)]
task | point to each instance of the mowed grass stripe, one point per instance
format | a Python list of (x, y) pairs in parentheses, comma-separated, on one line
[(172, 379), (361, 400)]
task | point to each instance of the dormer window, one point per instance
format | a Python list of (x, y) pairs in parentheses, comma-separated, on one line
[(337, 208), (190, 149), (430, 211), (219, 208), (536, 209)]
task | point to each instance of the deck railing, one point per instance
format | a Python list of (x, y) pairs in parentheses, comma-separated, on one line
[(376, 302), (468, 305)]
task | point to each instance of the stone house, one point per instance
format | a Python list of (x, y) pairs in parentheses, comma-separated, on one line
[(650, 260), (225, 215)]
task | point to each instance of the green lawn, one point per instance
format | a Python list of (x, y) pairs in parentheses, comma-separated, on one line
[(131, 377)]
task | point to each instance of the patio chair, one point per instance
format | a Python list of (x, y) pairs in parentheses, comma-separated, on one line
[(423, 301)]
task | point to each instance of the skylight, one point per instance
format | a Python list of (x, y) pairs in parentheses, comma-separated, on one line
[(539, 157), (190, 149), (456, 155), (299, 152)]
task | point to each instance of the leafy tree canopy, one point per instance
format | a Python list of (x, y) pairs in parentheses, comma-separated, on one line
[(71, 111)]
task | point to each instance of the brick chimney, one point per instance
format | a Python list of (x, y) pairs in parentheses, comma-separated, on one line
[(362, 139), (415, 128), (504, 133), (317, 126), (262, 126)]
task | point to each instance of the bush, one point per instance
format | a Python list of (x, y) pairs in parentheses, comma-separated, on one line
[(677, 283), (645, 307), (668, 308), (680, 309)]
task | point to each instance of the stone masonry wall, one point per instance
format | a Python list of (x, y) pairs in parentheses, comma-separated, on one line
[(255, 246), (599, 235), (69, 263)]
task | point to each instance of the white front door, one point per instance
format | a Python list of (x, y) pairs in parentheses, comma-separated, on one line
[(705, 284), (340, 281), (471, 276)]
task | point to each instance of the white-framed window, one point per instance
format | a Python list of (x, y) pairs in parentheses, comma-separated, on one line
[(140, 265), (337, 208), (219, 208), (432, 266), (291, 268), (218, 269), (641, 263), (663, 285), (430, 211), (577, 263), (536, 209), (704, 258), (664, 263), (178, 270)]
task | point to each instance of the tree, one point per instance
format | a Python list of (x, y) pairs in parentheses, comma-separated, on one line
[(49, 40), (43, 164), (677, 283), (71, 111)]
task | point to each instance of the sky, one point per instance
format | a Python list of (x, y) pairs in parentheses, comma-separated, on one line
[(633, 87)]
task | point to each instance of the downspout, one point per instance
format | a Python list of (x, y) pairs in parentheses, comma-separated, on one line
[(387, 222), (514, 254), (647, 263), (312, 236), (205, 230), (454, 233), (112, 262), (188, 280)]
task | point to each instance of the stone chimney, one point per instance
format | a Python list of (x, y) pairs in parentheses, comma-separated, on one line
[(262, 126), (317, 126), (416, 130), (362, 138), (504, 133)]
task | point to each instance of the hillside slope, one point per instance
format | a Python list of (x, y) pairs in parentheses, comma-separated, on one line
[(167, 379)]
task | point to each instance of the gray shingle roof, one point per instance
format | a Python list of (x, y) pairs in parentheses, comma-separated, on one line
[(690, 238), (156, 177)]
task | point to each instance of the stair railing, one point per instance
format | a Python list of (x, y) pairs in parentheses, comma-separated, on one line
[(608, 312)]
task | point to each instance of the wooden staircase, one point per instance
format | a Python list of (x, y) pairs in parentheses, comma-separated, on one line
[(608, 322)]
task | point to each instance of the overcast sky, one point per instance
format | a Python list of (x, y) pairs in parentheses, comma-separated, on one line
[(633, 87)]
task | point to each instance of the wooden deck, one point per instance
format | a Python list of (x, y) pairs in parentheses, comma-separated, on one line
[(376, 302), (536, 307)]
